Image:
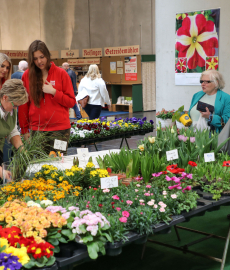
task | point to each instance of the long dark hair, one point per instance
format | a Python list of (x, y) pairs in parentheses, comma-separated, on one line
[(35, 74)]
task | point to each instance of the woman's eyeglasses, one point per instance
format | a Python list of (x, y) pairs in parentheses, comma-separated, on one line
[(205, 82), (14, 106)]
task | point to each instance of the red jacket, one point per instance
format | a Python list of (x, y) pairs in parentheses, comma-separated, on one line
[(53, 113)]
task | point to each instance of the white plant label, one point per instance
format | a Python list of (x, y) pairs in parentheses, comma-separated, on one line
[(60, 145), (209, 157), (171, 155), (111, 118), (83, 156), (109, 182)]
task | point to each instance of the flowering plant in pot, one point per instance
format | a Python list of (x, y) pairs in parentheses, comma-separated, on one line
[(91, 229), (165, 118)]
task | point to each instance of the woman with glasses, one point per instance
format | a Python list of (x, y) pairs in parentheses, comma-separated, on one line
[(12, 95), (212, 84), (50, 96)]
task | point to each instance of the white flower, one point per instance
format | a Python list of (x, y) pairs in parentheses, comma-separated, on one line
[(174, 196), (164, 192), (141, 201), (150, 203), (46, 202)]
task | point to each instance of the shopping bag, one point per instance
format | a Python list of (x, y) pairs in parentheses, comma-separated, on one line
[(201, 124)]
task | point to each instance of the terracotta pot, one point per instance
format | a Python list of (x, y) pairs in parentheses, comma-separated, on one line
[(126, 181)]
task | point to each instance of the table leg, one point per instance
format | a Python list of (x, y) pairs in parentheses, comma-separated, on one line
[(225, 250)]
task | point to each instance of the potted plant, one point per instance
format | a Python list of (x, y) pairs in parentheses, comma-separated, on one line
[(165, 118), (182, 118)]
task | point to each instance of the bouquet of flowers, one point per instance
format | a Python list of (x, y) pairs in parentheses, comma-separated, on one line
[(163, 114)]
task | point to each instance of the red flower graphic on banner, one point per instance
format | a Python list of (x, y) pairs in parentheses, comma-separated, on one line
[(211, 63), (181, 65), (196, 39)]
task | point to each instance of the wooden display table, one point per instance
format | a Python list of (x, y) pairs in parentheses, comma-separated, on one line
[(114, 107)]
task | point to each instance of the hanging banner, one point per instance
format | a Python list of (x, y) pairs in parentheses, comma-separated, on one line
[(95, 52), (90, 61), (15, 54), (123, 50), (131, 68), (197, 45), (69, 53)]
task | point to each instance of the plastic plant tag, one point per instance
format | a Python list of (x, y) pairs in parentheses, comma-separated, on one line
[(171, 155), (83, 156), (109, 182), (209, 157), (60, 145), (111, 118)]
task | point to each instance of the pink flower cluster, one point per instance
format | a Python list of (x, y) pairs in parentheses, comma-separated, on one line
[(64, 212), (184, 138), (124, 218), (162, 206), (178, 179), (90, 221), (157, 174)]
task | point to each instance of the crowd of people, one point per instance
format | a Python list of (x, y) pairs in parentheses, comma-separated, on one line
[(40, 94)]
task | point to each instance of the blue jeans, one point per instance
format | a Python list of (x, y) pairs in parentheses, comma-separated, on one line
[(77, 112), (93, 111)]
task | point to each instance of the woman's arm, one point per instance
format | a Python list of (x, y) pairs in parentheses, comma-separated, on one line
[(104, 93)]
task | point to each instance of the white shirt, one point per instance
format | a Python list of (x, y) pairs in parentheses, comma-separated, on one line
[(96, 89)]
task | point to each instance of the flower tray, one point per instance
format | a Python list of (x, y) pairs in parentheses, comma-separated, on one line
[(53, 267), (163, 226)]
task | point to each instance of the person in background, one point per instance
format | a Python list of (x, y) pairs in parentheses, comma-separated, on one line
[(95, 87), (12, 95), (22, 67), (50, 97), (212, 84), (73, 78)]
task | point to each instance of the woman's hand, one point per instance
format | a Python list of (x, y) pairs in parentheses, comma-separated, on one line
[(26, 136), (7, 174), (206, 114), (48, 88)]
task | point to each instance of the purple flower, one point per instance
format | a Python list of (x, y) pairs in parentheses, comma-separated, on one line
[(144, 119), (168, 178), (141, 123), (156, 174), (9, 261), (151, 122), (133, 119)]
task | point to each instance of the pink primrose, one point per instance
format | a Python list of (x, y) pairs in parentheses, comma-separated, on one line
[(123, 219), (125, 214)]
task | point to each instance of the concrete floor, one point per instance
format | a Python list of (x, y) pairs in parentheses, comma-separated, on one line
[(115, 144)]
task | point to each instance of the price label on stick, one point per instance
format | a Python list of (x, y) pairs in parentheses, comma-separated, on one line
[(209, 157), (111, 118), (109, 182), (171, 155), (60, 145), (83, 156)]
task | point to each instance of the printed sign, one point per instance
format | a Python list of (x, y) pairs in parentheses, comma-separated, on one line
[(171, 155), (15, 54), (89, 61), (113, 67), (95, 52), (131, 68), (120, 71), (109, 182), (69, 53), (60, 145), (111, 118), (119, 64), (122, 50), (83, 156), (209, 157)]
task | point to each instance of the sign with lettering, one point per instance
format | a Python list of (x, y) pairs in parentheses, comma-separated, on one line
[(69, 53), (171, 155), (83, 156), (60, 145), (109, 182), (111, 118), (94, 52), (122, 50), (89, 61), (209, 157), (15, 54)]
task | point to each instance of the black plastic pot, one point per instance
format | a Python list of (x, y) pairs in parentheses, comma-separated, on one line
[(114, 249)]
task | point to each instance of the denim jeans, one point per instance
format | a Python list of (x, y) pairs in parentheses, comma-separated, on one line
[(77, 112), (93, 111)]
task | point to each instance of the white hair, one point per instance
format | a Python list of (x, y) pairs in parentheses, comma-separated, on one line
[(23, 65), (215, 76)]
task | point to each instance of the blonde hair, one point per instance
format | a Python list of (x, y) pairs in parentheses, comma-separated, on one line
[(3, 58), (215, 76), (15, 91), (93, 72)]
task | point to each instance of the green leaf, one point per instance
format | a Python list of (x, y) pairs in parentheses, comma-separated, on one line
[(66, 232), (53, 242), (56, 249), (29, 265), (93, 249), (62, 240), (57, 235), (51, 261), (87, 238)]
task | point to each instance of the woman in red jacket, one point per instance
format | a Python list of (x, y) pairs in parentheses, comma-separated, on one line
[(50, 97)]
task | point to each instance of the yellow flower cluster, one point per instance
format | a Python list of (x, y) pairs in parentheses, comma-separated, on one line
[(39, 189), (33, 221), (21, 253), (99, 172), (90, 165)]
